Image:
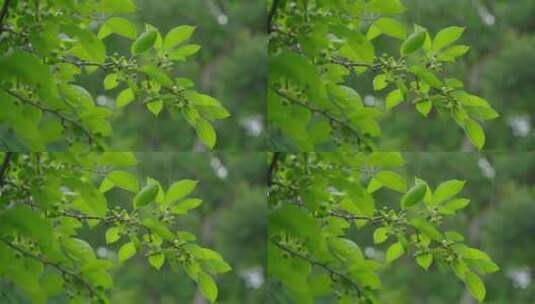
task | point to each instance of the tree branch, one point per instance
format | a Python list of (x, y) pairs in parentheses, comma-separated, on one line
[(319, 264), (57, 266), (55, 113), (273, 167), (272, 13), (3, 14), (5, 167), (324, 113)]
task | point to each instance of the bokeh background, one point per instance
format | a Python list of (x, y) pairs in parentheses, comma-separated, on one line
[(231, 66), (500, 67), (499, 220)]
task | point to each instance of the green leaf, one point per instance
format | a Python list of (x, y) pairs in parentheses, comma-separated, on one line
[(475, 133), (413, 43), (206, 132), (424, 260), (427, 76), (413, 196), (177, 36), (475, 286), (424, 107), (446, 37), (124, 180), (125, 97), (391, 27), (144, 42), (380, 235), (207, 286), (179, 190), (392, 180), (155, 107), (184, 206), (393, 252), (453, 205), (126, 251), (118, 159), (156, 260), (110, 81), (119, 26), (394, 98), (387, 7), (379, 82), (181, 53), (113, 234), (117, 6), (447, 190), (146, 195)]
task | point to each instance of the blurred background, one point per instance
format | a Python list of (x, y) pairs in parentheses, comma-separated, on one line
[(499, 67), (231, 220), (499, 220), (231, 66)]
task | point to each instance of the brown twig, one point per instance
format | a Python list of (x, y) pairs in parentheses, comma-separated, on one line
[(5, 167), (3, 14)]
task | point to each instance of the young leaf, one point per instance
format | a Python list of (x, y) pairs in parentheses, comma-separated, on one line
[(144, 42), (391, 27), (475, 286), (447, 190), (110, 81), (119, 26), (206, 132), (177, 35), (453, 205), (157, 260), (179, 190), (207, 286), (394, 252), (446, 37), (393, 99), (424, 260), (380, 235), (146, 195), (113, 234), (184, 206), (475, 133), (126, 251), (413, 43), (379, 82), (413, 196), (125, 97), (392, 180), (155, 107), (424, 107), (387, 7), (124, 180), (117, 6)]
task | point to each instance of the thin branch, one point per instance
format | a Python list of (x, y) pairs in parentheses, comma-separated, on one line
[(5, 167), (57, 266), (273, 167), (324, 113), (3, 14), (272, 13), (55, 113), (351, 217), (319, 264)]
